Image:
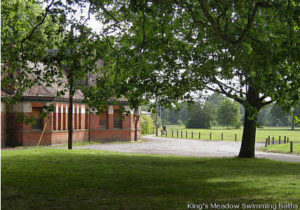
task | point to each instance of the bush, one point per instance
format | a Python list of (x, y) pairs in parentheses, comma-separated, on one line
[(147, 125)]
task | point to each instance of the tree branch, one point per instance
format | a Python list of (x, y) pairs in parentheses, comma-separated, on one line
[(215, 22), (188, 7), (40, 23), (266, 103), (221, 90), (89, 15), (108, 13), (34, 29), (144, 33), (228, 87)]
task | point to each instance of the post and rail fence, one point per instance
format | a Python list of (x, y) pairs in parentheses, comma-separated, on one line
[(286, 140), (201, 136), (179, 134)]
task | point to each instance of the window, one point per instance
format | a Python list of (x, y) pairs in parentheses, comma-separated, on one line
[(38, 121), (117, 119)]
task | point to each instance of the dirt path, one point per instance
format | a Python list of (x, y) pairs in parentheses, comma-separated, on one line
[(168, 146)]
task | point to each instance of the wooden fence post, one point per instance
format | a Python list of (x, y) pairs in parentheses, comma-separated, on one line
[(291, 147), (284, 140), (222, 137), (266, 144), (177, 134), (210, 136), (288, 139), (235, 137), (269, 140), (279, 140), (186, 134), (199, 135), (192, 135), (273, 140), (181, 134)]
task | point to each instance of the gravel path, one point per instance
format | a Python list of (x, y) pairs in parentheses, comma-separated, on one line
[(168, 146)]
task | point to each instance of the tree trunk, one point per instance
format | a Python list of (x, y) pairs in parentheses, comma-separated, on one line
[(248, 141), (137, 117), (156, 121), (70, 122), (70, 116), (252, 108)]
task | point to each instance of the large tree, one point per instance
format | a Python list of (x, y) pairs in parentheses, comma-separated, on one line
[(200, 116), (228, 113), (246, 50)]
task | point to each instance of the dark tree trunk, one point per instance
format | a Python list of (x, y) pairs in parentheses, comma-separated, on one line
[(248, 141), (70, 122), (137, 118), (70, 116), (156, 121), (252, 108)]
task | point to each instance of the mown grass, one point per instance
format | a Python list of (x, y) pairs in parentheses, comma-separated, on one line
[(93, 179), (229, 134), (282, 148)]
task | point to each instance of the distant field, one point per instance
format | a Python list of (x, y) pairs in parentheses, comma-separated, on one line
[(229, 134)]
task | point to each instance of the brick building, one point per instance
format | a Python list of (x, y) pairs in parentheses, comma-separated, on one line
[(87, 125)]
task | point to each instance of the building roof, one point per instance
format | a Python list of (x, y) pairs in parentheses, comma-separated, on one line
[(48, 92)]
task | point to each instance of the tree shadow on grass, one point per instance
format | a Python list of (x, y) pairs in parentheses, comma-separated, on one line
[(42, 179)]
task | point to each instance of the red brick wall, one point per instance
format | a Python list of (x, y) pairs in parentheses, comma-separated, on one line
[(94, 122), (61, 137), (103, 117), (114, 135), (16, 130), (18, 133)]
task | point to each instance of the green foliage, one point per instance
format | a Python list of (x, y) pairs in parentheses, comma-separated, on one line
[(229, 114), (246, 50), (22, 118), (153, 117), (200, 116), (297, 120), (215, 101), (147, 125), (24, 44), (279, 116)]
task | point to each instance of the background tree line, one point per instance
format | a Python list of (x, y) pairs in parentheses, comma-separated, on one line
[(217, 110)]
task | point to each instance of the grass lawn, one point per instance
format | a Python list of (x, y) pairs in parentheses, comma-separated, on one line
[(282, 148), (229, 134), (93, 179)]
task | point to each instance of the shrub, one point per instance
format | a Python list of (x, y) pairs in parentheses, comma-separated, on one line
[(147, 125)]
